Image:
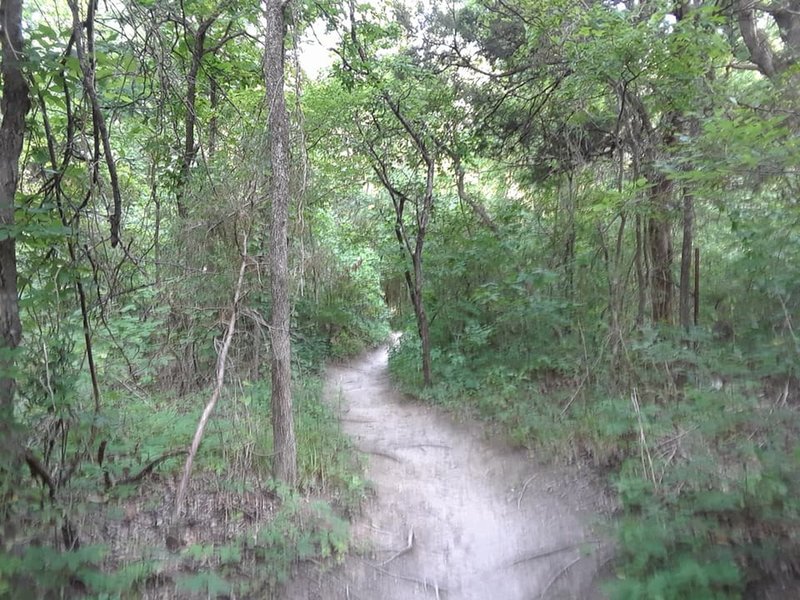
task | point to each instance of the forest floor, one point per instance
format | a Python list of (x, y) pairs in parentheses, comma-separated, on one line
[(455, 512)]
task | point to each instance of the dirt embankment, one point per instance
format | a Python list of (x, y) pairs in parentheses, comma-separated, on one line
[(454, 515)]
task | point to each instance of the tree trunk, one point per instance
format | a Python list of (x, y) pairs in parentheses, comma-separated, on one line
[(14, 105), (285, 465), (86, 63), (424, 210), (659, 237), (213, 125), (189, 144), (686, 260), (773, 60), (423, 327), (641, 279), (696, 287), (568, 260), (414, 281)]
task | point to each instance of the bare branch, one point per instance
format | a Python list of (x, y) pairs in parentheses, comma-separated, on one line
[(220, 379)]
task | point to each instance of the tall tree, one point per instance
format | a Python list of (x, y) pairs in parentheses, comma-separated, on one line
[(14, 105), (412, 244), (773, 60), (403, 120), (282, 419)]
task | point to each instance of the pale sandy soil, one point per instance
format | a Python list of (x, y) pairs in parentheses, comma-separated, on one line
[(455, 514)]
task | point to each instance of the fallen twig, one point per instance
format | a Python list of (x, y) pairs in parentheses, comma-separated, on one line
[(677, 437), (552, 551), (409, 546), (525, 487), (442, 446), (575, 395), (558, 576), (421, 582), (149, 467), (383, 454)]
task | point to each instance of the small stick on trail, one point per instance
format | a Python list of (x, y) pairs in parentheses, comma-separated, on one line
[(525, 487), (552, 551), (382, 454), (423, 446)]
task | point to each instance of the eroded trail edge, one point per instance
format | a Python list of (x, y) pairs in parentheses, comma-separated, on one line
[(455, 514)]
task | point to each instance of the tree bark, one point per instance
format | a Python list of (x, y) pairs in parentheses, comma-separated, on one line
[(98, 120), (786, 15), (198, 51), (659, 237), (424, 209), (685, 301), (285, 461), (414, 277), (696, 287), (641, 278), (14, 105), (423, 325)]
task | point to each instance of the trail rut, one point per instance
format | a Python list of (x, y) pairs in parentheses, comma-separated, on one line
[(455, 514)]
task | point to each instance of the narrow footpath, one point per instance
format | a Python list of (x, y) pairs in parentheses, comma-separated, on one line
[(455, 514)]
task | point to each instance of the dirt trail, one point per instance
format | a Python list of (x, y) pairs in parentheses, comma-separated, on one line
[(485, 521)]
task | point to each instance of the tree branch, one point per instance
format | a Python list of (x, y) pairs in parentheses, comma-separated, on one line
[(220, 379)]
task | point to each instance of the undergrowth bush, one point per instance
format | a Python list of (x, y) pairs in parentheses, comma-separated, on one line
[(717, 509), (706, 470), (234, 458)]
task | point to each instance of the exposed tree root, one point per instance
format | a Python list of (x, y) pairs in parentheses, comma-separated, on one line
[(384, 455), (424, 583), (399, 553), (552, 551), (148, 468)]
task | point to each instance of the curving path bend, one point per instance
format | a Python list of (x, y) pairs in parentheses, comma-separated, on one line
[(454, 515)]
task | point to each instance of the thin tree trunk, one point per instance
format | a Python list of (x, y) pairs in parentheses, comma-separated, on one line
[(285, 465), (154, 196), (641, 279), (464, 196), (14, 105), (219, 381), (696, 287), (98, 120), (659, 237), (686, 260), (569, 242), (189, 145), (423, 326), (213, 125), (424, 209)]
